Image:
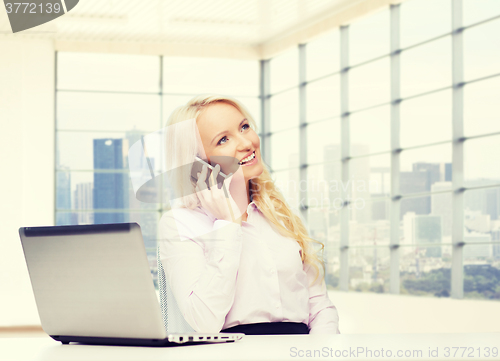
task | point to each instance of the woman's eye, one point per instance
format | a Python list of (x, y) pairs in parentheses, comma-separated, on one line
[(222, 140)]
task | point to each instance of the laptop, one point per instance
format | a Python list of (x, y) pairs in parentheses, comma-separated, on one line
[(93, 285)]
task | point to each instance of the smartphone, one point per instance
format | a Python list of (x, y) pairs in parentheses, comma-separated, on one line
[(198, 167)]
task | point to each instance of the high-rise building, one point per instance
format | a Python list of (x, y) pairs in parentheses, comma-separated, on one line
[(428, 230), (83, 197), (331, 173), (422, 230), (110, 188), (492, 201), (441, 205), (63, 197), (486, 200), (420, 180), (482, 250)]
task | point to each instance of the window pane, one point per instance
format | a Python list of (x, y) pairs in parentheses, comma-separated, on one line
[(172, 102), (324, 189), (427, 219), (369, 223), (419, 115), (323, 98), (425, 271), (478, 10), (369, 269), (285, 149), (482, 213), (87, 150), (370, 131), (369, 84), (369, 37), (481, 165), (110, 72), (76, 190), (288, 183), (435, 14), (284, 110), (422, 167), (332, 263), (481, 107), (98, 111), (210, 75), (318, 220), (323, 55), (323, 141), (426, 67), (480, 257), (481, 273), (369, 177), (284, 70), (481, 57)]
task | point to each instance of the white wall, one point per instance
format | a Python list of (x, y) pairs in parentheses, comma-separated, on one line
[(372, 313), (27, 164)]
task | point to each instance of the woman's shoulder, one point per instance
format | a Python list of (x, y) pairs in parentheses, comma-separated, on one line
[(183, 214), (186, 220)]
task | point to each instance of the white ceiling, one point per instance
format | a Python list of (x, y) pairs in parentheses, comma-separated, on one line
[(259, 27)]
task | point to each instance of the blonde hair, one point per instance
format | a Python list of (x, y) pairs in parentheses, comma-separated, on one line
[(263, 191)]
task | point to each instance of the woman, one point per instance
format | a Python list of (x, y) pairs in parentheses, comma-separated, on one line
[(242, 263)]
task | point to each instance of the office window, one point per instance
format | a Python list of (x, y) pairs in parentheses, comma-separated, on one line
[(369, 268), (426, 119), (426, 67), (284, 71), (480, 57), (435, 14), (236, 78), (343, 161), (104, 104), (369, 37), (284, 110), (322, 98), (476, 11), (369, 84), (323, 56), (323, 141), (425, 271), (364, 125), (284, 147), (481, 107), (480, 161), (108, 72), (402, 115)]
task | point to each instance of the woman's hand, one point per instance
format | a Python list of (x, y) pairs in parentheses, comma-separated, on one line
[(217, 201)]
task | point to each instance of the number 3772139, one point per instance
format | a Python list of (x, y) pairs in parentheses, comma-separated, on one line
[(32, 8)]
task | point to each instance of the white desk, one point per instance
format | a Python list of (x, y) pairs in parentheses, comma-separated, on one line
[(266, 348)]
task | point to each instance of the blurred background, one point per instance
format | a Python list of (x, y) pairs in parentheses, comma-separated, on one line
[(380, 122)]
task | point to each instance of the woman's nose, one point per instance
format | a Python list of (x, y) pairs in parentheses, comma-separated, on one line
[(244, 143)]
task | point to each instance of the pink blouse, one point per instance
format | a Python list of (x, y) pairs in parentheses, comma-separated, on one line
[(223, 275)]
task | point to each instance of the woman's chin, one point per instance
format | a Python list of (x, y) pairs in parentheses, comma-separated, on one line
[(253, 173)]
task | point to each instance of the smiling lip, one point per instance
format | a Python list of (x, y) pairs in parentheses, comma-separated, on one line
[(252, 162), (246, 155)]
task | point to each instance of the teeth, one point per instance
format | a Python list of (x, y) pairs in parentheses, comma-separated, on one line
[(249, 158)]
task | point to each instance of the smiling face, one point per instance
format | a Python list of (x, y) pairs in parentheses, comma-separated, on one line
[(224, 131)]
